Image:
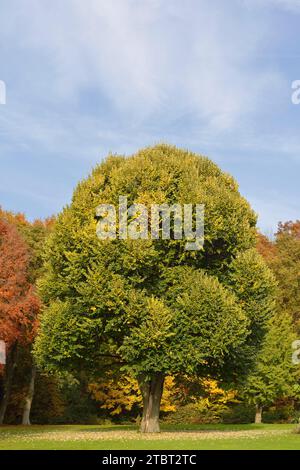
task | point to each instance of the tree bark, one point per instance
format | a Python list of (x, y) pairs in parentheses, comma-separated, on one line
[(29, 397), (151, 393), (11, 364), (258, 414)]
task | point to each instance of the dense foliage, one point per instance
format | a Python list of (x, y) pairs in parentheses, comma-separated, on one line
[(151, 307)]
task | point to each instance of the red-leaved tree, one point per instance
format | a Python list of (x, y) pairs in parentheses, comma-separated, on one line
[(19, 305)]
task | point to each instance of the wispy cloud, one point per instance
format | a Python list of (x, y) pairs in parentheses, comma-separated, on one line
[(84, 78), (146, 58)]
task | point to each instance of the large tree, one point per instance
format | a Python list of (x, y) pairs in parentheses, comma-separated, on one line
[(151, 307)]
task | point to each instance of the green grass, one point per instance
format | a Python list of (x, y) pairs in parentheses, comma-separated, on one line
[(179, 437)]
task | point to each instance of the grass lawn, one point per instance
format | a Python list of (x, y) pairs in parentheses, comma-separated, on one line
[(214, 436)]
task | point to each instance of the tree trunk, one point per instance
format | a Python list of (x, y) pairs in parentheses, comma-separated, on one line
[(151, 393), (29, 398), (258, 414), (7, 380)]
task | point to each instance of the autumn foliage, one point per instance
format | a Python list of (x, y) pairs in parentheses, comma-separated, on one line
[(19, 304)]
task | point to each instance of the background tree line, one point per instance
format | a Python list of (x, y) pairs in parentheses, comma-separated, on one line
[(129, 297)]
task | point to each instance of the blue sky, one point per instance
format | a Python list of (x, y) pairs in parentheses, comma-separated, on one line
[(85, 78)]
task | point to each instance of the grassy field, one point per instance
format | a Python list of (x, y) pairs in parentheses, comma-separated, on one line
[(264, 436)]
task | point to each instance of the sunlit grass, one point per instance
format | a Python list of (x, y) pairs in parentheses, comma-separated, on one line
[(180, 437)]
